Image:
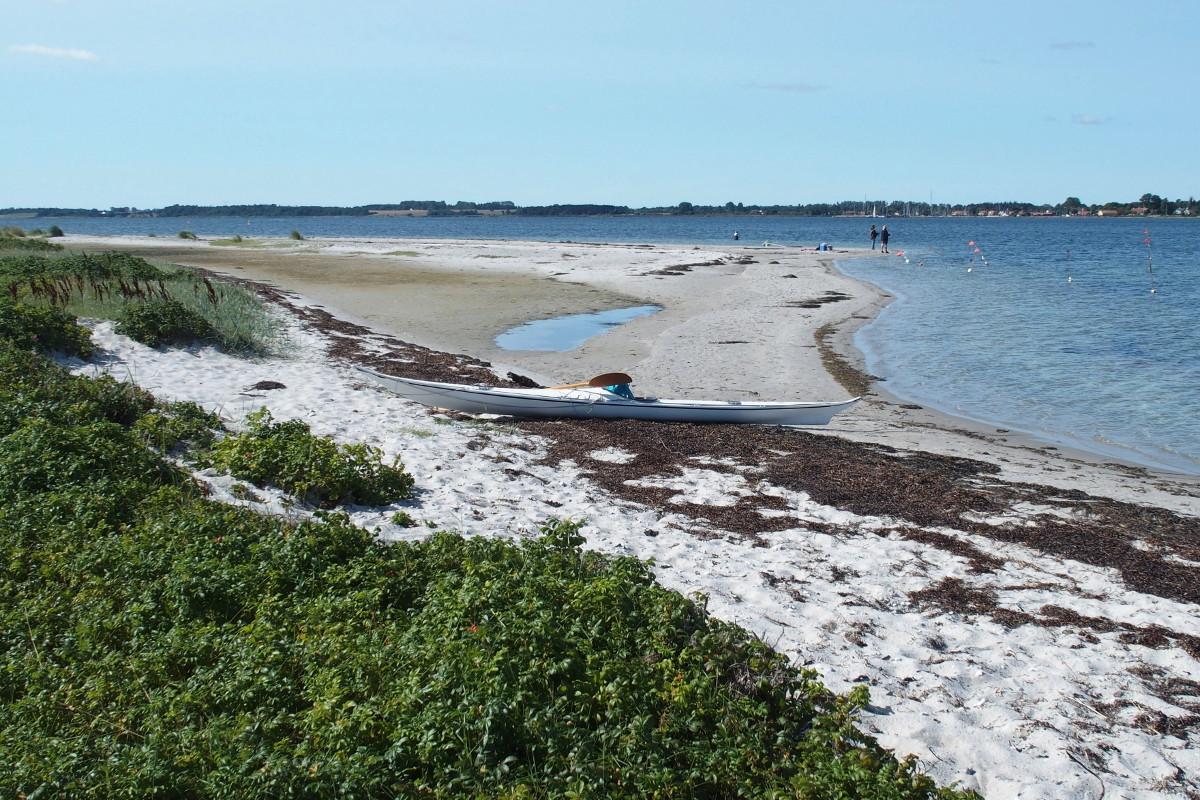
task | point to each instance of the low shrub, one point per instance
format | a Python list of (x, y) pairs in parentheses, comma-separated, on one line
[(158, 322), (55, 231), (32, 386), (295, 235), (27, 244), (187, 235), (315, 469), (171, 425), (43, 328)]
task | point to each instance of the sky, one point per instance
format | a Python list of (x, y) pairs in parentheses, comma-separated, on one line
[(149, 103)]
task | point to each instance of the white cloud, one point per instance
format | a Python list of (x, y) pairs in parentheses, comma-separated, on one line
[(54, 52), (1087, 119)]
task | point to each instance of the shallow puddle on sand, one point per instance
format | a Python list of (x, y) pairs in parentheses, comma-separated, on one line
[(561, 334)]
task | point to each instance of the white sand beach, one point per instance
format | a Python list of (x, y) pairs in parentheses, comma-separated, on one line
[(1007, 658)]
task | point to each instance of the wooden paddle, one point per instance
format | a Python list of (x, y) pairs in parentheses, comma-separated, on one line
[(607, 379)]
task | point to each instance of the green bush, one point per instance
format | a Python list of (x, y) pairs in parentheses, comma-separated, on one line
[(19, 243), (316, 469), (296, 235), (168, 426), (43, 328), (159, 322), (33, 387), (187, 235), (56, 231)]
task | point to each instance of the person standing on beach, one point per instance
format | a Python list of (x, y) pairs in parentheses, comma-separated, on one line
[(874, 233), (883, 239)]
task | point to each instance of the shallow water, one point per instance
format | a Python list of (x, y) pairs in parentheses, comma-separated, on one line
[(563, 334), (1057, 334)]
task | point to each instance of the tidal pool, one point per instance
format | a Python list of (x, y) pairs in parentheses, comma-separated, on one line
[(561, 334)]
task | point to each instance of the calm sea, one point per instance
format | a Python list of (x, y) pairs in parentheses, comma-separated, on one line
[(1047, 326)]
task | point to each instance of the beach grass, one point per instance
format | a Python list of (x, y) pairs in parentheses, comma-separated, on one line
[(113, 285)]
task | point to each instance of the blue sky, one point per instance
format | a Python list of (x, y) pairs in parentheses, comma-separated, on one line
[(153, 102)]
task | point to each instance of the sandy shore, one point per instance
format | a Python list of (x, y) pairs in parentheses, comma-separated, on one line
[(736, 323), (725, 328), (1027, 619)]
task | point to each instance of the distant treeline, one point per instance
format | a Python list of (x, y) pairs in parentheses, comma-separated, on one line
[(1147, 204)]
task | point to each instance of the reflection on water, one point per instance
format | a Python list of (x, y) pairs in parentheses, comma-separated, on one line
[(562, 334)]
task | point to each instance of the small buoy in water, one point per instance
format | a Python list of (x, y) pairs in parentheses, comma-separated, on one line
[(1070, 280), (1154, 291), (969, 269)]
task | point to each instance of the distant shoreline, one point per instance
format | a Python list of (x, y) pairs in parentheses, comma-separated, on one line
[(1148, 207)]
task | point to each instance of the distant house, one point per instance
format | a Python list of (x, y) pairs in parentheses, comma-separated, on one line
[(1108, 212), (1139, 210), (1085, 212)]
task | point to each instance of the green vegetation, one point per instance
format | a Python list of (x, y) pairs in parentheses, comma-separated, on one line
[(157, 644), (42, 328), (163, 321), (295, 235), (404, 519), (317, 470), (14, 239), (187, 235), (153, 304), (170, 426)]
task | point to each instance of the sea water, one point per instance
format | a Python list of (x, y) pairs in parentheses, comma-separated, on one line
[(1078, 331), (1045, 325)]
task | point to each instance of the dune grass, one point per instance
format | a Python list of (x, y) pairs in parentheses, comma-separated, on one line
[(117, 285)]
